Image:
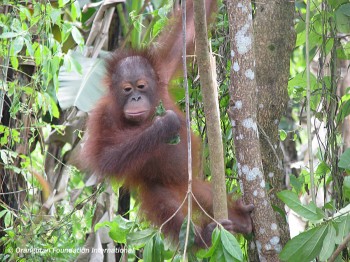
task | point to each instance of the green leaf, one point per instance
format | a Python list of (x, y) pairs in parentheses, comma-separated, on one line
[(140, 238), (78, 38), (84, 90), (65, 31), (75, 10), (3, 212), (119, 228), (342, 18), (10, 34), (160, 110), (283, 135), (218, 254), (344, 160), (24, 13), (346, 187), (148, 251), (53, 109), (14, 62), (305, 246), (310, 211), (175, 140), (328, 244), (183, 233), (158, 248), (8, 219), (55, 16), (297, 84), (232, 249), (314, 39), (295, 182), (215, 240), (343, 228), (336, 3), (322, 169), (344, 111), (62, 3), (29, 46), (17, 45)]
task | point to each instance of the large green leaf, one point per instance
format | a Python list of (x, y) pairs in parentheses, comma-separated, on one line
[(158, 248), (328, 243), (306, 246), (183, 233), (343, 223), (140, 238), (231, 247), (148, 251), (342, 18), (310, 212), (154, 249), (81, 90), (225, 247)]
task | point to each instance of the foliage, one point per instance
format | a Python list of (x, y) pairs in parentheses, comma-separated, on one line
[(38, 63), (321, 240), (33, 39), (327, 228), (43, 36)]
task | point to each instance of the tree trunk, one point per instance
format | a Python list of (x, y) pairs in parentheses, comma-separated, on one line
[(273, 26), (211, 109), (243, 112)]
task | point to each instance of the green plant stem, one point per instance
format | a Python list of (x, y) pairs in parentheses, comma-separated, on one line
[(308, 109)]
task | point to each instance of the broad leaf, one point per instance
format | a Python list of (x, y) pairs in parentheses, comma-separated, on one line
[(344, 160), (231, 247), (140, 238), (183, 232), (148, 251), (310, 212), (343, 223), (342, 18), (328, 244), (158, 248), (81, 90), (225, 247), (306, 246)]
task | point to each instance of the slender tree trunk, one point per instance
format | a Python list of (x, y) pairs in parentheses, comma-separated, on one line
[(273, 27), (243, 112), (211, 109)]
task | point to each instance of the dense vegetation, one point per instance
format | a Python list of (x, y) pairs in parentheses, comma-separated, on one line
[(51, 64)]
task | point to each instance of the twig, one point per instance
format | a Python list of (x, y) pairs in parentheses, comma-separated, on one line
[(188, 125), (308, 110), (172, 216), (339, 249)]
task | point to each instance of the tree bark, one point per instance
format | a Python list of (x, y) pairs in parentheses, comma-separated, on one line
[(273, 27), (211, 110), (243, 112)]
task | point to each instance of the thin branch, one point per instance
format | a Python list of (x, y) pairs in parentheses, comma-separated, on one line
[(339, 248), (188, 125), (308, 109), (172, 216)]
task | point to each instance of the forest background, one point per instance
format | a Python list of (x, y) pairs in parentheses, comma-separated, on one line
[(51, 60)]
